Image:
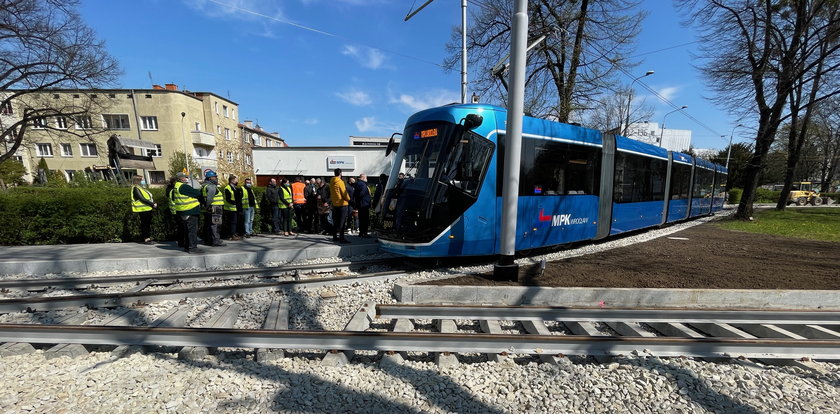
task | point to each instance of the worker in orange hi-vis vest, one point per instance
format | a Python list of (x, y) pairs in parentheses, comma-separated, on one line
[(299, 200)]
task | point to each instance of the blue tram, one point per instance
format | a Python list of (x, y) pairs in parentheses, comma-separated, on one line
[(575, 184)]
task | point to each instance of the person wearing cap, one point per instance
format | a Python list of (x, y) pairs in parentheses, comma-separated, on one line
[(142, 203), (188, 209), (212, 200)]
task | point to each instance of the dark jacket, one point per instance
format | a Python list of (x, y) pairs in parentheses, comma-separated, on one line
[(272, 195), (380, 189), (310, 193), (236, 198), (361, 194), (324, 193), (351, 191)]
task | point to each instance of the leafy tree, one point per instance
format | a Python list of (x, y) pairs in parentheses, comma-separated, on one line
[(46, 45), (586, 43), (738, 159), (181, 162), (761, 54), (11, 173)]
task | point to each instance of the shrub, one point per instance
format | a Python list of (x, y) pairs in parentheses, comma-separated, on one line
[(92, 214), (735, 195), (763, 195)]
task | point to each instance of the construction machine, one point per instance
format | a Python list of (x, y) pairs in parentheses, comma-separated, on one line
[(804, 193)]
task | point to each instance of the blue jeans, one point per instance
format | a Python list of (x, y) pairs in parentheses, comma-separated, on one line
[(249, 220)]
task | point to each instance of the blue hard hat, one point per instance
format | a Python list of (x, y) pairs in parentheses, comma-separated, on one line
[(209, 174)]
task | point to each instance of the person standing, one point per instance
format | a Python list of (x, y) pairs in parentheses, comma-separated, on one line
[(324, 206), (142, 203), (340, 201), (272, 196), (249, 207), (188, 209), (179, 224), (286, 208), (232, 207), (311, 195), (362, 198), (213, 203), (299, 200), (351, 216)]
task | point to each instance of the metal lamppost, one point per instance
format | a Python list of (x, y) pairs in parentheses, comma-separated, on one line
[(729, 149), (630, 100), (662, 131)]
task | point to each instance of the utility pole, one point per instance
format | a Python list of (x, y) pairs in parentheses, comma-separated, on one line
[(463, 43), (506, 268)]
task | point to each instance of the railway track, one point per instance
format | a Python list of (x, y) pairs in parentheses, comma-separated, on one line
[(181, 277), (764, 335)]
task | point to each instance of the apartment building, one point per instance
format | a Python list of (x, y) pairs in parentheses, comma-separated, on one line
[(151, 124)]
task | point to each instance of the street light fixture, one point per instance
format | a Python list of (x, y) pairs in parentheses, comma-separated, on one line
[(662, 131), (729, 149), (630, 100)]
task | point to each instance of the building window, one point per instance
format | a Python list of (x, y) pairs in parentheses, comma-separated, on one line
[(234, 134), (227, 134), (233, 113), (43, 150), (6, 108), (61, 122), (119, 121), (149, 123), (247, 159), (83, 122), (216, 107), (219, 129), (224, 111), (39, 123), (157, 177), (198, 126), (69, 174), (157, 152), (230, 156), (256, 140), (148, 96), (66, 150), (88, 150)]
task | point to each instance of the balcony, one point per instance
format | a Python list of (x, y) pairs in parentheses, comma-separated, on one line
[(203, 138), (205, 162)]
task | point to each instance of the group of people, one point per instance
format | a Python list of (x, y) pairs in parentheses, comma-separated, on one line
[(319, 207), (316, 206)]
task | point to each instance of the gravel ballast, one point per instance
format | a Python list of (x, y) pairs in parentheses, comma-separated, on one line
[(232, 381)]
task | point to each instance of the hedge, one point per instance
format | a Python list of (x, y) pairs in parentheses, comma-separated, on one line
[(40, 215)]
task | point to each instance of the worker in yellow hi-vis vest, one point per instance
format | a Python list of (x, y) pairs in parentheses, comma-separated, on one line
[(142, 203)]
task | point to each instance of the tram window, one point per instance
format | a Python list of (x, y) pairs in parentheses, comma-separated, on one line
[(467, 162), (557, 168), (638, 178), (703, 182), (680, 181)]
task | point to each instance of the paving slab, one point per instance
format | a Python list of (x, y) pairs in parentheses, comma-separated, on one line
[(107, 257)]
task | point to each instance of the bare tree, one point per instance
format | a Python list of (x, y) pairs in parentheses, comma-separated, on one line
[(756, 54), (610, 112), (46, 45), (827, 141), (586, 43)]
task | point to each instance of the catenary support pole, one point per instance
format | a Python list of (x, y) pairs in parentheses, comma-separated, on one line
[(506, 268), (463, 51)]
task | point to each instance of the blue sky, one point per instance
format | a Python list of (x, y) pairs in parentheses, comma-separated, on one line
[(319, 71)]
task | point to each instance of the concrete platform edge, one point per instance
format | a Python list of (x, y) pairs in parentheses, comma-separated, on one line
[(621, 297)]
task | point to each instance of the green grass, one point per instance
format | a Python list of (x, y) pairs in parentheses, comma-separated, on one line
[(803, 223)]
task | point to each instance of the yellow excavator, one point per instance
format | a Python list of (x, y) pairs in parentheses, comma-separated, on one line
[(804, 193)]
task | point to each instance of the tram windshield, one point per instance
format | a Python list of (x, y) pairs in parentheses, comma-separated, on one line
[(423, 144)]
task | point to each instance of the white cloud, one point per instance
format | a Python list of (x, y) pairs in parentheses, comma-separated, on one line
[(355, 97), (429, 99), (669, 92), (365, 56), (311, 121), (371, 124)]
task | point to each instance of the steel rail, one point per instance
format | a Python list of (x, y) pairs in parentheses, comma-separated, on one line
[(131, 298), (260, 272), (519, 313), (423, 342)]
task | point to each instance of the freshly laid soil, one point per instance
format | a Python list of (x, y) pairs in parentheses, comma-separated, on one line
[(710, 258)]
